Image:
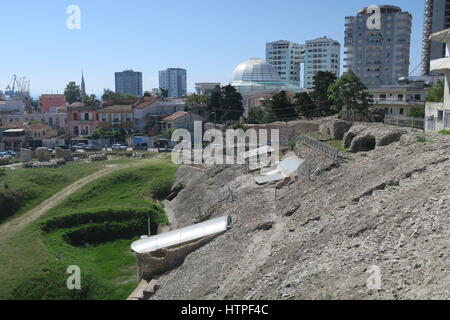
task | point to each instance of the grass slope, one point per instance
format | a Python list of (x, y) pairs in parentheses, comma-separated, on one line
[(29, 265), (21, 190)]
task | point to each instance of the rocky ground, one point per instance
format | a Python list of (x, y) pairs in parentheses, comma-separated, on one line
[(318, 238)]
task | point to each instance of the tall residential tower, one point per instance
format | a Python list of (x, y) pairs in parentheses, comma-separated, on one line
[(286, 57), (322, 54), (174, 80), (379, 56), (129, 82)]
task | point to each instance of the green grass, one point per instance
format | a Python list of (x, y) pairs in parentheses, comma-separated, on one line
[(337, 144), (28, 265), (23, 189), (445, 132)]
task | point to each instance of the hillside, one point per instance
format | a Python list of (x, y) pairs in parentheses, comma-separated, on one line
[(317, 238)]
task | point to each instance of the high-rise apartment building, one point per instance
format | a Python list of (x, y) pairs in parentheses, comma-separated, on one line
[(437, 18), (379, 56), (174, 80), (322, 54), (286, 57), (129, 82)]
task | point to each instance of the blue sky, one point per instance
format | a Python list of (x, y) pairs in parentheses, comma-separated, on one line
[(207, 37)]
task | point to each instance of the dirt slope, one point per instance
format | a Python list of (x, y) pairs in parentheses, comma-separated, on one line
[(389, 207)]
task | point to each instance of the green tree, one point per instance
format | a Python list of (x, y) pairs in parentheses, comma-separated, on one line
[(437, 92), (72, 93), (91, 100), (225, 104), (348, 93), (258, 115), (163, 94), (197, 100), (304, 105), (322, 82), (281, 107), (148, 94)]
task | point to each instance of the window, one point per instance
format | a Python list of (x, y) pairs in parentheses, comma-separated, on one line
[(402, 111), (440, 115), (104, 117), (383, 97), (417, 97), (75, 116), (400, 97), (128, 117), (116, 117)]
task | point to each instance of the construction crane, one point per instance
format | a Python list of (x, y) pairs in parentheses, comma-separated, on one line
[(18, 87)]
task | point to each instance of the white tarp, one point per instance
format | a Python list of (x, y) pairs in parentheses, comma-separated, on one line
[(181, 236), (287, 168)]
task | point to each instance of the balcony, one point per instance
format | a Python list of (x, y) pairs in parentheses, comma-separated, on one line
[(440, 65)]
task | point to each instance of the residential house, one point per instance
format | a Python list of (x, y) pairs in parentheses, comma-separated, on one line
[(437, 115), (37, 133), (116, 117), (14, 139), (150, 111), (181, 120), (57, 120), (50, 102), (83, 120), (400, 100)]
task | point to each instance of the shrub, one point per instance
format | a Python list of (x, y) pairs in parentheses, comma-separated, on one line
[(102, 215), (445, 132), (95, 234), (12, 200), (291, 145)]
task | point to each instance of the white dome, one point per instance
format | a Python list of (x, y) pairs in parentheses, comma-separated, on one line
[(256, 70)]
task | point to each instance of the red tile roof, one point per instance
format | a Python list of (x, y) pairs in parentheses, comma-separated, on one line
[(145, 102), (176, 115)]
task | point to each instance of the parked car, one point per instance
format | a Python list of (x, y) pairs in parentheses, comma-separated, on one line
[(91, 147), (11, 153), (119, 147), (5, 155), (79, 146), (64, 147)]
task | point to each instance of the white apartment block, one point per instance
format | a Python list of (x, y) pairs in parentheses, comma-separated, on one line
[(286, 57), (437, 114), (321, 54)]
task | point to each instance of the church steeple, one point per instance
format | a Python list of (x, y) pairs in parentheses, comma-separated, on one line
[(83, 85)]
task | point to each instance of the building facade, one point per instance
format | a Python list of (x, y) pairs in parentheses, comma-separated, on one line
[(50, 102), (436, 18), (286, 57), (399, 101), (437, 114), (83, 120), (206, 87), (174, 80), (129, 82), (321, 54), (116, 117), (56, 120), (379, 56)]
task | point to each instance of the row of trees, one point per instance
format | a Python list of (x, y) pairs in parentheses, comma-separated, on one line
[(330, 96), (73, 94)]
